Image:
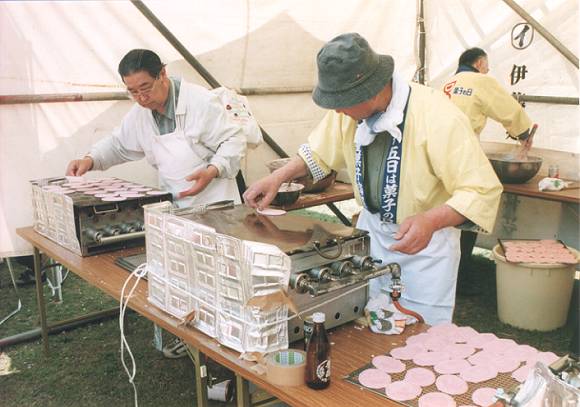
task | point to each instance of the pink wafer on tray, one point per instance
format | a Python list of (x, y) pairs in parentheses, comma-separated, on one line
[(436, 399), (374, 378), (537, 252), (465, 372), (388, 364), (403, 391)]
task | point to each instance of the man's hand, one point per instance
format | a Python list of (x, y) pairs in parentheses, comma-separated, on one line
[(201, 178), (414, 234), (79, 167), (416, 231), (261, 193)]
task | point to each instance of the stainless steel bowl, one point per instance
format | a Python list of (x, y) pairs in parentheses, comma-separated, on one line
[(513, 171)]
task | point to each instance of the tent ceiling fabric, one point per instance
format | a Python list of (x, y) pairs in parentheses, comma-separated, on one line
[(71, 47)]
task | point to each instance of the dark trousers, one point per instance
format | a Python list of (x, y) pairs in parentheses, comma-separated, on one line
[(467, 243)]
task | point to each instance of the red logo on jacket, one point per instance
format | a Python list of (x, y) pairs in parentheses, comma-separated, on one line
[(448, 87)]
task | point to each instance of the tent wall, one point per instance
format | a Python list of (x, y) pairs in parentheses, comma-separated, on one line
[(72, 47)]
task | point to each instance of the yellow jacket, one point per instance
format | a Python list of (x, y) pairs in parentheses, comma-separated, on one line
[(481, 96), (442, 162)]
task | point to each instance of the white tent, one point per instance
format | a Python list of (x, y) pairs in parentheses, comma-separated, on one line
[(259, 46)]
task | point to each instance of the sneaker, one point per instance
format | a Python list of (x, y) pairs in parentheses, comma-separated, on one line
[(175, 349)]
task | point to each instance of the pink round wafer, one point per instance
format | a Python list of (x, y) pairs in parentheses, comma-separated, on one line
[(464, 333), (129, 194), (522, 373), (113, 199), (388, 364), (420, 376), (481, 339), (482, 357), (547, 358), (523, 352), (155, 192), (459, 350), (436, 399), (478, 374), (437, 343), (407, 352), (430, 358), (451, 366), (451, 384), (484, 396), (444, 327), (500, 345), (506, 364), (374, 378), (104, 195), (271, 212), (140, 189), (418, 339), (403, 391)]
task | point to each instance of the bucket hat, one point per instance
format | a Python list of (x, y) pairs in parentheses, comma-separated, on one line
[(350, 72)]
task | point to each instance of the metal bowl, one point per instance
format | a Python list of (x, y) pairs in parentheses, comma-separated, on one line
[(288, 194), (309, 185), (513, 171)]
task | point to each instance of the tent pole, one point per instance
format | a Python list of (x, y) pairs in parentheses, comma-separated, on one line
[(555, 100), (543, 32), (62, 97), (421, 21), (195, 63), (109, 96)]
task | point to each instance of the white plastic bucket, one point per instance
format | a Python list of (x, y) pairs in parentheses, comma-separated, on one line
[(533, 296)]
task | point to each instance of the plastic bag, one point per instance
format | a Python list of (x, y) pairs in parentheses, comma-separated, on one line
[(552, 184), (384, 318)]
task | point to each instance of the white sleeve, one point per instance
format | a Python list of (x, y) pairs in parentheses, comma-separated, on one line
[(224, 138), (113, 150)]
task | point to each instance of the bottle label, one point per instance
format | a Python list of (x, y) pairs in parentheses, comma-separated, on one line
[(323, 371)]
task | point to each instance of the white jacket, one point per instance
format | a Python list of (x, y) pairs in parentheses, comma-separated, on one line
[(212, 134)]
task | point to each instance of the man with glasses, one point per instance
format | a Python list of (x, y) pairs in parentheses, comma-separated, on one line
[(182, 129)]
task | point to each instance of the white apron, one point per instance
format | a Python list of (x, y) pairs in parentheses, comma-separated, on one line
[(175, 159), (429, 277)]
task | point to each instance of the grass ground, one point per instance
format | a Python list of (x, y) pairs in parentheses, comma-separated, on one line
[(84, 366)]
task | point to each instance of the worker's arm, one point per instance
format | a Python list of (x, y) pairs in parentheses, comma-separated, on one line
[(261, 193), (499, 105)]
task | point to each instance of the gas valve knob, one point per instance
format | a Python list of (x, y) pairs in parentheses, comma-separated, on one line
[(341, 268), (300, 283), (363, 263), (94, 234), (321, 274)]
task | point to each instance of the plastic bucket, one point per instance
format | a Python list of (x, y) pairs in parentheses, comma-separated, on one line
[(533, 296)]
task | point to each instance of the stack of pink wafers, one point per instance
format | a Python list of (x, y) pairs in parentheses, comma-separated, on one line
[(105, 189), (537, 252), (449, 366)]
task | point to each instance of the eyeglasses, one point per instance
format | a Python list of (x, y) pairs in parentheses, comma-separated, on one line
[(144, 90)]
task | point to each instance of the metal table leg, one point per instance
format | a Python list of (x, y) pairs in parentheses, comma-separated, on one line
[(200, 369), (40, 300), (19, 306), (242, 392)]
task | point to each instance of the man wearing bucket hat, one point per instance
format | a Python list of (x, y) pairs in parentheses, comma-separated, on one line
[(416, 171)]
